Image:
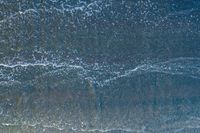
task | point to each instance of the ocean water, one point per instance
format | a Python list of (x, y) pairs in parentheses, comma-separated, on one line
[(93, 66)]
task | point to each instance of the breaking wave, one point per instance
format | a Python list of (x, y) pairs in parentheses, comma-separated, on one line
[(100, 74)]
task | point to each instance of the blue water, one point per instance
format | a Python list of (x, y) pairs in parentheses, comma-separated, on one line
[(99, 66)]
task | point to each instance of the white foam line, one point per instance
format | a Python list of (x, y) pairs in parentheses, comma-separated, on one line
[(27, 65), (75, 66), (74, 129), (56, 127), (127, 73), (157, 67), (41, 64), (108, 130), (166, 67), (32, 125), (15, 124), (179, 59)]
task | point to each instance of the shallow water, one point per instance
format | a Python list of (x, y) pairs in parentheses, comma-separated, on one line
[(99, 66)]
